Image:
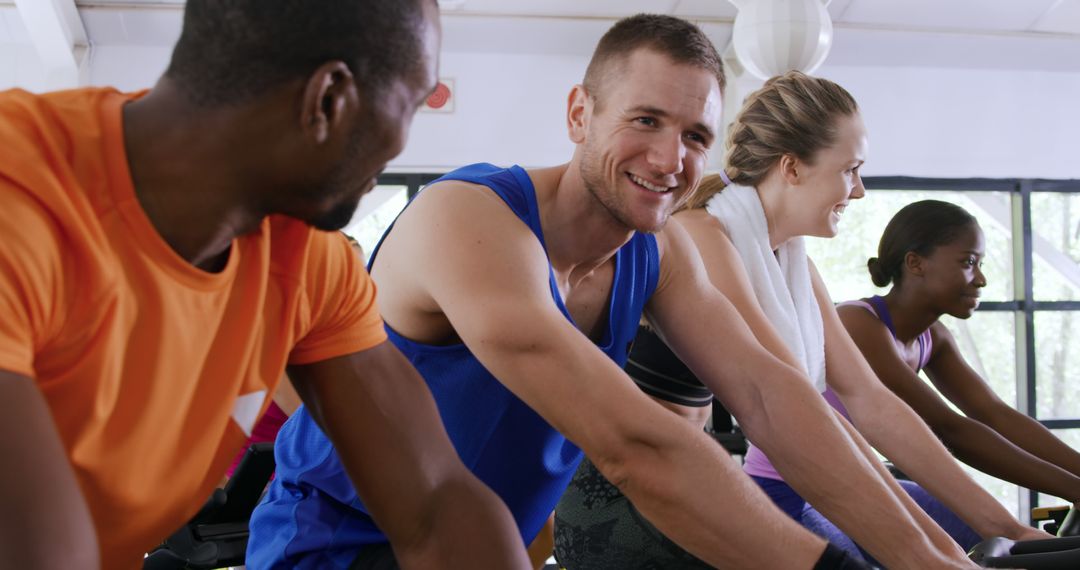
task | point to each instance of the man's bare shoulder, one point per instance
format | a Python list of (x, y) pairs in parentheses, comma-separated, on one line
[(455, 225), (703, 228), (450, 197), (456, 253), (696, 236), (472, 215), (679, 257), (696, 219)]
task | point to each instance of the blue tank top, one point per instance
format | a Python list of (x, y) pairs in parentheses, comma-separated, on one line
[(312, 518)]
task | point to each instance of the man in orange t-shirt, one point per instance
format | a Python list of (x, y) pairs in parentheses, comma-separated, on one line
[(161, 263)]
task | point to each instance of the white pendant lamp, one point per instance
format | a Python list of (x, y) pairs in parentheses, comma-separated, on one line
[(774, 36)]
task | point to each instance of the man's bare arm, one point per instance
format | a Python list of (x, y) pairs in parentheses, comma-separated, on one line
[(776, 405), (489, 276), (383, 422), (46, 522)]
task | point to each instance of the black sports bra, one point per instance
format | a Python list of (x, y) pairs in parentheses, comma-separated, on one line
[(660, 374)]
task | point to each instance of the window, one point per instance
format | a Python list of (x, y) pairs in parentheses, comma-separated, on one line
[(377, 211), (1023, 339), (381, 206), (1056, 246), (842, 260), (1071, 437), (988, 343), (1057, 364)]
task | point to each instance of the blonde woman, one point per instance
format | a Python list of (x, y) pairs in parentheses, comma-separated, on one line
[(793, 162)]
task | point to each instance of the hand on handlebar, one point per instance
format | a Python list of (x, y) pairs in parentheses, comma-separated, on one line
[(1028, 533)]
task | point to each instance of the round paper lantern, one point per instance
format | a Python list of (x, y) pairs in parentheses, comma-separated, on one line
[(774, 36)]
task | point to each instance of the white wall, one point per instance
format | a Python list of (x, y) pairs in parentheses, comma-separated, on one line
[(922, 121), (19, 67), (128, 68), (509, 108), (967, 123)]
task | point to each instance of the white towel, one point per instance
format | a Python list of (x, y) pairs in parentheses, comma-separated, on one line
[(781, 280)]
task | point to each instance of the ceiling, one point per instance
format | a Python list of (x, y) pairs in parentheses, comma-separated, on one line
[(1009, 34)]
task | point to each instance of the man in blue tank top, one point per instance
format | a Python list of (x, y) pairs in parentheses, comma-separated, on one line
[(516, 293)]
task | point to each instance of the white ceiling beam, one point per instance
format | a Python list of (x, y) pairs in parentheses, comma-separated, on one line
[(58, 35)]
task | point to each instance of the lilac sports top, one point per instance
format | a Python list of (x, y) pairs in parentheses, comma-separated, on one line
[(759, 466)]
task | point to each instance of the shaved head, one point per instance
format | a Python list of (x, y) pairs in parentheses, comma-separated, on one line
[(233, 50), (681, 41)]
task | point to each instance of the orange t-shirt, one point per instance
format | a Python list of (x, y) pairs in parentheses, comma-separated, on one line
[(154, 370)]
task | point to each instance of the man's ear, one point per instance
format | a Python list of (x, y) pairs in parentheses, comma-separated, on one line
[(579, 109), (330, 99), (790, 168), (914, 264)]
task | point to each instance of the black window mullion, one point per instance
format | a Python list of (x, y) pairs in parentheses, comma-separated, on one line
[(413, 182), (999, 306), (1062, 423), (1066, 186), (944, 184)]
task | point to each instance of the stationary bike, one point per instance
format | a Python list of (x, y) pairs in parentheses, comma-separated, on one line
[(217, 536), (1061, 553)]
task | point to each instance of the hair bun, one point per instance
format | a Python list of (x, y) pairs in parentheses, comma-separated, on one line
[(877, 272)]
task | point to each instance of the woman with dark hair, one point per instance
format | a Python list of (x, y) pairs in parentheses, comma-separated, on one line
[(932, 254)]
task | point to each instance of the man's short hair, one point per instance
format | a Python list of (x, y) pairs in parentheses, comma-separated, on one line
[(233, 50), (679, 40)]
